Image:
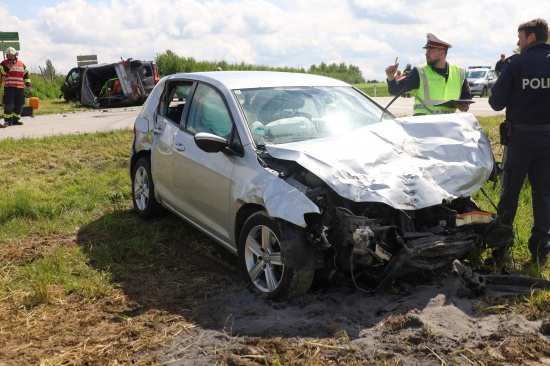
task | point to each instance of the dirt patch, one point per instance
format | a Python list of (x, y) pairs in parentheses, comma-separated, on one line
[(189, 307)]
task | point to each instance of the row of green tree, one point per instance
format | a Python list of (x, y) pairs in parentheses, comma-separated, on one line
[(170, 63), (47, 84)]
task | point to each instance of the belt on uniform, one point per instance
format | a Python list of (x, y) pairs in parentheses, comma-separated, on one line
[(520, 128)]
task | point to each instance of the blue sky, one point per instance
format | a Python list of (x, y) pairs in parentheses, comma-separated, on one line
[(296, 33), (26, 9)]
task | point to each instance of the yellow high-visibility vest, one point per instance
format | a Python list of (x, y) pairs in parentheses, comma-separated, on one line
[(434, 89)]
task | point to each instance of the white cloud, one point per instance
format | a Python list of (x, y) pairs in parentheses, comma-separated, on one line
[(294, 33)]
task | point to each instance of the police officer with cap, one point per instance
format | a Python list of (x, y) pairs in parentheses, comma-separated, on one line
[(523, 88), (434, 82)]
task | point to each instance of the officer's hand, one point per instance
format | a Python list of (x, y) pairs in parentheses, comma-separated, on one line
[(391, 70), (463, 107)]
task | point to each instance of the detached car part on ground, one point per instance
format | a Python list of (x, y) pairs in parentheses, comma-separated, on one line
[(302, 175), (118, 84)]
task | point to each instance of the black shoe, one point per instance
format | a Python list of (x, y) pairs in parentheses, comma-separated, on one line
[(16, 123), (540, 255), (3, 126)]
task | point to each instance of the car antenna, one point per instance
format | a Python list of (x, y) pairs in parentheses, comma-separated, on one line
[(393, 100)]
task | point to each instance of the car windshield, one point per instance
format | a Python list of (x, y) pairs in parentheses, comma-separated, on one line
[(283, 115), (475, 74)]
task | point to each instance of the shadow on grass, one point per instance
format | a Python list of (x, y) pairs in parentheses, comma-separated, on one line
[(163, 264)]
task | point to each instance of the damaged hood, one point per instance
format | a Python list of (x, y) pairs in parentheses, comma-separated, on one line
[(407, 163)]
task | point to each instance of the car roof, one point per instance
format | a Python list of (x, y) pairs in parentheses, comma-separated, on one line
[(262, 79)]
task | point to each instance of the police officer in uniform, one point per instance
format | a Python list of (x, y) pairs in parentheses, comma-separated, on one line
[(523, 88), (434, 82)]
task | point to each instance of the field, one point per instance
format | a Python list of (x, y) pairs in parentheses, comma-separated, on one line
[(374, 89), (86, 282)]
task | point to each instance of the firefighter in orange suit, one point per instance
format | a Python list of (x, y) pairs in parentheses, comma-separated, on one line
[(15, 77)]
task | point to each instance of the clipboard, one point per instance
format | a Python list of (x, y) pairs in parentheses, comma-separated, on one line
[(453, 102)]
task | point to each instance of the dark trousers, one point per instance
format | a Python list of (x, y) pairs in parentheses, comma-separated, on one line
[(533, 163), (14, 99)]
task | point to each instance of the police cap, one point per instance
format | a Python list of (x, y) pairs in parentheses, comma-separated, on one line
[(436, 42)]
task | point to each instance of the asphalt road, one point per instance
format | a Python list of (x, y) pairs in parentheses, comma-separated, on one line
[(102, 120), (91, 121)]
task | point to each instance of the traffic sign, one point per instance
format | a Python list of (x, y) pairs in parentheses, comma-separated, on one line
[(9, 36), (85, 60), (5, 44)]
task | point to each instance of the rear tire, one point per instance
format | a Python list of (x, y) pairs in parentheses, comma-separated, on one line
[(143, 191), (260, 259)]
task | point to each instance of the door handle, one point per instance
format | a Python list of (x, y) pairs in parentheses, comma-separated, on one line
[(179, 146)]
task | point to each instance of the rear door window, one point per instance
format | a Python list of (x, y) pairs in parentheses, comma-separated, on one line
[(173, 102)]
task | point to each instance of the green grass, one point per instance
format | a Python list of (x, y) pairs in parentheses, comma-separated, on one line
[(374, 89), (54, 106), (52, 187)]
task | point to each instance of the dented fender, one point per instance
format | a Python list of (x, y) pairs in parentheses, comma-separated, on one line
[(280, 199)]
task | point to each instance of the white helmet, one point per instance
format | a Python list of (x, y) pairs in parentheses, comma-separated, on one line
[(11, 51)]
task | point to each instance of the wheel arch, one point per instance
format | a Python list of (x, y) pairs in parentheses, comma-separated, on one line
[(299, 255), (136, 156)]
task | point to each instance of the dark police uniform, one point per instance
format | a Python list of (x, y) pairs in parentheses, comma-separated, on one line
[(523, 88)]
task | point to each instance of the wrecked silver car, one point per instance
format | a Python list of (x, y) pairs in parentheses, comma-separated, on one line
[(302, 175)]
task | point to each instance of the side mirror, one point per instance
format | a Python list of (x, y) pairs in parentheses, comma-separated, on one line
[(210, 143)]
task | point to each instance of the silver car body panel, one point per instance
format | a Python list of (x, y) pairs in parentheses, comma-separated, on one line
[(407, 163)]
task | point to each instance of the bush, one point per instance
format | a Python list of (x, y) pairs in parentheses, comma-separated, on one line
[(45, 89)]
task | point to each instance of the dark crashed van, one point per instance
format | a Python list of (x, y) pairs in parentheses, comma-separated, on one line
[(118, 84)]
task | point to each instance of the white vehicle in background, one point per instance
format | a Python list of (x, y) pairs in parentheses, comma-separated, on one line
[(481, 79)]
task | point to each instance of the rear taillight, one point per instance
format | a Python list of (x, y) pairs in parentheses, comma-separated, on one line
[(156, 74)]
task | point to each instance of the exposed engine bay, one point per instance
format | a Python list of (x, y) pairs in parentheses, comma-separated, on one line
[(379, 243)]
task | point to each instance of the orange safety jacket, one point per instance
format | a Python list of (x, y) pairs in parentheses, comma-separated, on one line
[(17, 76)]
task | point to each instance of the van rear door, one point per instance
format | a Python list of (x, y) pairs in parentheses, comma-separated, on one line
[(130, 81)]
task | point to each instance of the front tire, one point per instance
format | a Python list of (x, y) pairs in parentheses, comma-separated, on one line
[(261, 262), (143, 191), (483, 92)]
